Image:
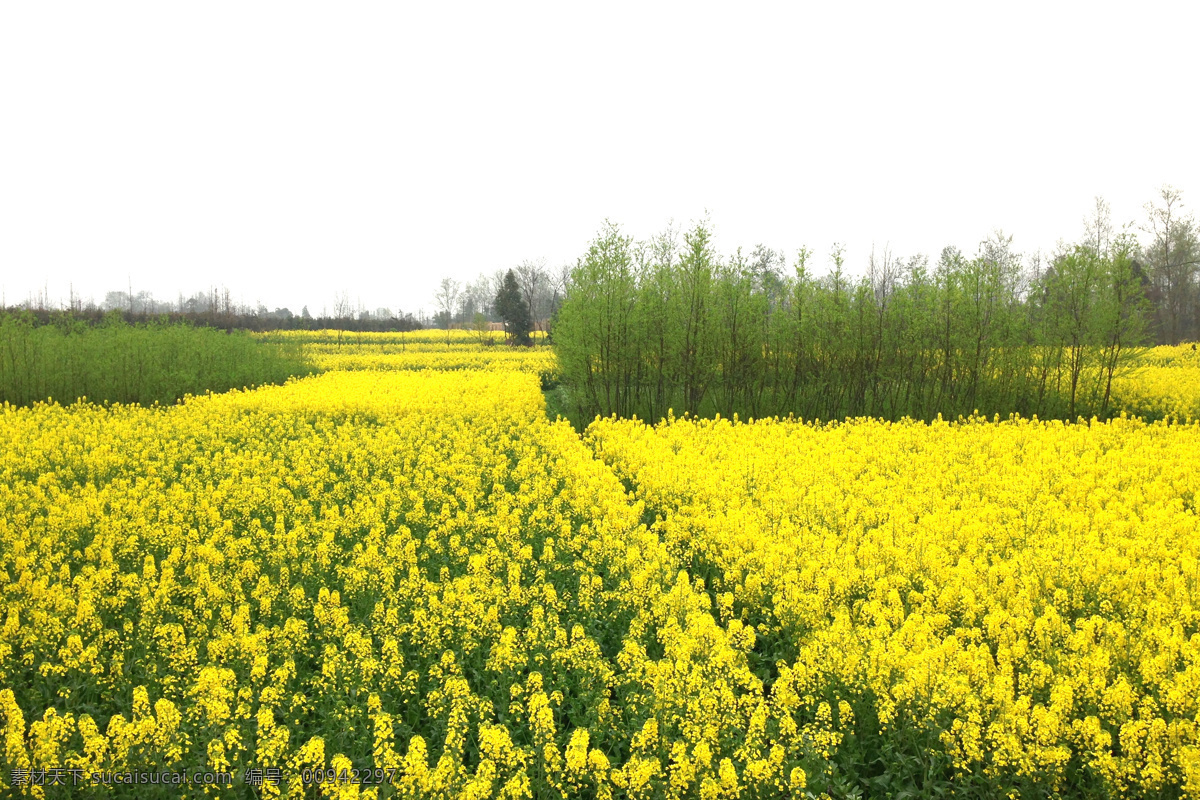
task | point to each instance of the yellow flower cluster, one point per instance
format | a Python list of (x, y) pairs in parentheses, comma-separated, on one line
[(1179, 355), (383, 395), (1020, 599), (387, 340), (418, 350), (538, 361), (410, 572), (1165, 384)]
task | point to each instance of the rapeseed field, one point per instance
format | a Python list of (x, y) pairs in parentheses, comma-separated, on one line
[(400, 578), (1010, 606), (1164, 385)]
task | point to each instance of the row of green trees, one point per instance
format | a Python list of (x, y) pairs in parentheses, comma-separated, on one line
[(656, 326), (67, 358), (231, 319)]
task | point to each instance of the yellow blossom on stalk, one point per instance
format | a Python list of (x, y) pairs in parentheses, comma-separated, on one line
[(575, 758), (15, 753)]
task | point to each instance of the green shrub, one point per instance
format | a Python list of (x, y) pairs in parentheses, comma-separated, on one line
[(115, 362)]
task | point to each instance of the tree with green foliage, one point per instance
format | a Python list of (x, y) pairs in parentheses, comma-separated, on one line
[(66, 358), (647, 327), (514, 311), (1172, 259), (447, 299), (479, 324)]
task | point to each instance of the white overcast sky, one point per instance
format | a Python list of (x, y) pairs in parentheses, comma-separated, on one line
[(291, 151)]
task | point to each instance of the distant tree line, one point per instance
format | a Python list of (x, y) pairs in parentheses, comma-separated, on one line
[(650, 326), (214, 308)]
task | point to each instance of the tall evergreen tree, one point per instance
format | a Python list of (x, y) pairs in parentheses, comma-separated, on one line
[(513, 310)]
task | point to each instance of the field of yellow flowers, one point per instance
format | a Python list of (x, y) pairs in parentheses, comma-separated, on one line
[(388, 581), (420, 350), (1012, 606), (413, 574), (1164, 384)]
